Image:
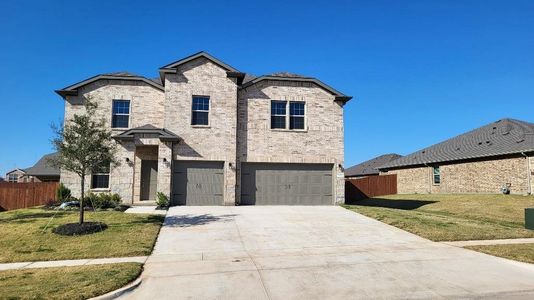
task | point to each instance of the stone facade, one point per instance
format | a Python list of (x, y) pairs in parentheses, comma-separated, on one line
[(320, 142), (216, 141), (484, 176), (238, 131), (146, 107)]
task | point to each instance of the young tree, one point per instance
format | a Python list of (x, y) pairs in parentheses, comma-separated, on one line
[(84, 146)]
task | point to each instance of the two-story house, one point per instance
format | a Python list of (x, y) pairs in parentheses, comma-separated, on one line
[(205, 133)]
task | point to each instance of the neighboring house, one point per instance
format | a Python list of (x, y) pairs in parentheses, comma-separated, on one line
[(369, 167), (480, 161), (43, 171), (2, 179), (205, 133), (16, 175)]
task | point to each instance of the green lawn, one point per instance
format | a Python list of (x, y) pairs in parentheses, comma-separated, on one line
[(451, 217), (81, 282), (22, 237), (520, 252)]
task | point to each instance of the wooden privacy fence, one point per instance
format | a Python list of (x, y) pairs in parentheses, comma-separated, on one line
[(371, 186), (22, 195)]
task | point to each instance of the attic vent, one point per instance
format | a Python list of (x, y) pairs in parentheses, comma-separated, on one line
[(457, 148), (480, 143), (423, 151), (506, 129)]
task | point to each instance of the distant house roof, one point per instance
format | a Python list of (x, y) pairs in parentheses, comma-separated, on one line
[(163, 134), (286, 76), (503, 137), (43, 167), (15, 170), (72, 90), (369, 167)]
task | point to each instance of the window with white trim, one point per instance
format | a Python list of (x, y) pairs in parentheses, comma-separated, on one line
[(13, 178), (288, 115), (121, 114), (200, 110), (436, 175), (100, 177)]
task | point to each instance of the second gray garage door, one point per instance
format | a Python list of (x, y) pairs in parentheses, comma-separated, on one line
[(197, 183), (286, 184)]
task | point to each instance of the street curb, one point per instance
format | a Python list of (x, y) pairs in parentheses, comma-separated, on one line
[(119, 292)]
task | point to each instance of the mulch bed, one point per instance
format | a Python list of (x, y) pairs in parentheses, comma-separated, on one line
[(71, 229)]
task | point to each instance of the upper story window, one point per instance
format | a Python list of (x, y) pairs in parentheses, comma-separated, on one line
[(13, 178), (100, 177), (296, 115), (280, 119), (121, 114), (436, 175), (200, 110), (278, 114)]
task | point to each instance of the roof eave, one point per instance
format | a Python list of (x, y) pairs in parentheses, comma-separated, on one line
[(338, 95)]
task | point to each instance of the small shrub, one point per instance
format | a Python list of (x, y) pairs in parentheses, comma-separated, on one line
[(162, 200), (103, 200), (63, 193)]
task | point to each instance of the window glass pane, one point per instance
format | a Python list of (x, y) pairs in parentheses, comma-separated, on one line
[(278, 122), (278, 107), (201, 103), (121, 106), (100, 181), (296, 123), (120, 121), (199, 118), (296, 109)]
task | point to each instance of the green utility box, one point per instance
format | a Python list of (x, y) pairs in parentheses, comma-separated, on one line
[(529, 218)]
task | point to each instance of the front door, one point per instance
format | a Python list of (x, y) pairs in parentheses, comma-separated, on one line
[(149, 179)]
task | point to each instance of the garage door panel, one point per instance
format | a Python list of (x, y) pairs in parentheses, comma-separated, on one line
[(197, 183), (286, 184)]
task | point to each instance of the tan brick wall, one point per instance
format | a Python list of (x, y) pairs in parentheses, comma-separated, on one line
[(320, 142), (470, 177), (216, 142), (413, 180), (146, 107)]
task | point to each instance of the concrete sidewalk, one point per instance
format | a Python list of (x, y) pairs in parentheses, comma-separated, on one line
[(490, 242), (305, 252), (71, 262)]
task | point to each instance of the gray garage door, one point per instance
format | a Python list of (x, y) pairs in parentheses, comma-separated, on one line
[(286, 184), (197, 183)]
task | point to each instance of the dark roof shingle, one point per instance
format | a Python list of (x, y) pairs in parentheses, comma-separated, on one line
[(369, 167), (43, 167), (503, 137)]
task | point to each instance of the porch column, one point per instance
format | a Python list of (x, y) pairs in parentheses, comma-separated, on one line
[(164, 168)]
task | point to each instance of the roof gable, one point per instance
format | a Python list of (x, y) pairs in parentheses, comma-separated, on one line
[(284, 76), (503, 137), (162, 133), (72, 90), (172, 68)]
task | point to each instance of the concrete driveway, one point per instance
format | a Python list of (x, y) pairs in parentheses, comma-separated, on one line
[(288, 252)]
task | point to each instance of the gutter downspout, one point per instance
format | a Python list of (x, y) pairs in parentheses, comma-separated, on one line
[(529, 182)]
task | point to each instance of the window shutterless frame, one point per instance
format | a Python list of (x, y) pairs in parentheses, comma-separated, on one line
[(120, 113), (436, 175), (288, 115), (200, 109)]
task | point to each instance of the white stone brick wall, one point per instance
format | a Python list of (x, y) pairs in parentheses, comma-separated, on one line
[(146, 107), (320, 142), (216, 142)]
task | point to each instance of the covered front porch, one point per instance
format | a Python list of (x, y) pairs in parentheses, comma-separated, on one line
[(146, 153)]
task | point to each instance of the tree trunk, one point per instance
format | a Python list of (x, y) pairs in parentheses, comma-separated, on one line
[(81, 198)]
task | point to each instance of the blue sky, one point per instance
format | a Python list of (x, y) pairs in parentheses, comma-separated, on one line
[(419, 71)]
